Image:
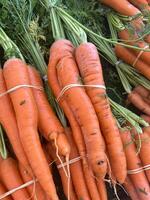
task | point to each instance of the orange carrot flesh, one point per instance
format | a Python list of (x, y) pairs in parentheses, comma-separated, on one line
[(129, 187), (27, 118), (139, 102), (49, 124), (64, 178), (68, 74), (139, 180), (128, 57), (9, 123), (76, 170), (91, 71), (11, 178), (3, 191), (56, 53)]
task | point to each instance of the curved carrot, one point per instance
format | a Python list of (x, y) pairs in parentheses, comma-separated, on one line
[(76, 170), (139, 180), (68, 74), (27, 119), (3, 191), (49, 125), (129, 187), (127, 56), (91, 71), (9, 123), (139, 102), (56, 54), (64, 178), (11, 178), (35, 190)]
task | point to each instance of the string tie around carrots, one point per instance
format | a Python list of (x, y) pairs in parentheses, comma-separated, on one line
[(138, 170), (67, 87), (139, 55), (118, 63), (45, 78), (18, 87)]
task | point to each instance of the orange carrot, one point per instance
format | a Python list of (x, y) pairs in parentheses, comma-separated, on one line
[(27, 119), (127, 56), (146, 118), (68, 74), (64, 178), (76, 170), (126, 8), (56, 54), (139, 180), (3, 191), (141, 4), (49, 125), (129, 187), (145, 93), (11, 178), (144, 150), (131, 39), (102, 189), (9, 123), (139, 102), (34, 190), (91, 71)]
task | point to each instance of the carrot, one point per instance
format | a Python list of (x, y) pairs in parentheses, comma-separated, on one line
[(9, 123), (141, 4), (129, 187), (49, 125), (130, 58), (144, 153), (131, 39), (138, 102), (68, 74), (145, 93), (139, 180), (56, 54), (27, 118), (64, 178), (91, 71), (3, 191), (126, 8), (146, 118), (34, 190), (102, 189), (9, 171), (76, 170)]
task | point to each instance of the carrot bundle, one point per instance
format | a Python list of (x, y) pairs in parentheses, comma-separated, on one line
[(139, 179), (27, 119), (91, 71)]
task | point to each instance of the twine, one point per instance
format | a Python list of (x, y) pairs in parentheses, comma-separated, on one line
[(45, 78), (118, 62), (67, 87), (138, 170), (18, 87), (139, 55)]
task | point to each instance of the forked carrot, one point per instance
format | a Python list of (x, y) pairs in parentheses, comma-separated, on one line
[(27, 119)]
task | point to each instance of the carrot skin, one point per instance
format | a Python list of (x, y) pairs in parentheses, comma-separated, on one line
[(91, 71), (139, 180), (27, 118), (3, 191), (49, 124), (89, 123), (9, 171)]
